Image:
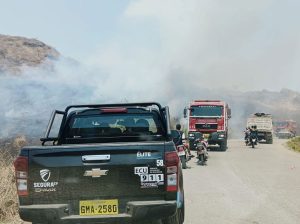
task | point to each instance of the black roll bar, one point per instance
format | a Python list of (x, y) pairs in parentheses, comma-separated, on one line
[(49, 126), (163, 111), (147, 104)]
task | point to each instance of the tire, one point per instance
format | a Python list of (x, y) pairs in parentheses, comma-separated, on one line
[(252, 144), (183, 162), (248, 142), (270, 141), (202, 160), (223, 145), (177, 218)]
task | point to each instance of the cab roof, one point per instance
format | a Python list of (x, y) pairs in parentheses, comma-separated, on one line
[(207, 103)]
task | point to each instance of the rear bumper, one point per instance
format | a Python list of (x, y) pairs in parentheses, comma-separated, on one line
[(264, 135), (135, 210), (216, 138)]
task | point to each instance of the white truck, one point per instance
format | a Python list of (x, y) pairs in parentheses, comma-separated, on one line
[(264, 126)]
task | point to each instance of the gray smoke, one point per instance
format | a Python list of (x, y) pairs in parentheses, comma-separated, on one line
[(29, 99), (232, 44), (172, 52)]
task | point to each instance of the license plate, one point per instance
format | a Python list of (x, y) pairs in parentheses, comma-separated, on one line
[(206, 136), (99, 207), (181, 153)]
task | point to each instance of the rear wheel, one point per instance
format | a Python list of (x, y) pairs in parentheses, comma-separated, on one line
[(223, 145), (183, 162), (177, 218), (201, 159), (270, 141)]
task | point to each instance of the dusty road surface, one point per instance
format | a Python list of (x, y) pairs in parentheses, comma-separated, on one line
[(242, 185)]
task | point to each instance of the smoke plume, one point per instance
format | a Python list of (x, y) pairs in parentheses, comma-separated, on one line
[(172, 52)]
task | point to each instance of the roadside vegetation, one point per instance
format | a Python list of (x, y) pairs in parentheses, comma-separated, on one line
[(294, 144), (8, 196)]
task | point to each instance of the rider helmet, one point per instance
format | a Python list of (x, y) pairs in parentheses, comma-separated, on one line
[(178, 126)]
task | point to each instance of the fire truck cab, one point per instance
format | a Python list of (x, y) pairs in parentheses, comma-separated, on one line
[(210, 117)]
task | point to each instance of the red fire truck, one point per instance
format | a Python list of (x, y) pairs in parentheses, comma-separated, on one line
[(210, 117)]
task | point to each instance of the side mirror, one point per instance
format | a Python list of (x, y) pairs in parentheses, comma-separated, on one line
[(185, 113), (229, 113)]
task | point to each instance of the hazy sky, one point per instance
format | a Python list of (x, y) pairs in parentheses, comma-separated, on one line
[(231, 44), (170, 51)]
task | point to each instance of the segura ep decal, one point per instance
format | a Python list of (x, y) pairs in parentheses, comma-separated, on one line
[(45, 174), (45, 186)]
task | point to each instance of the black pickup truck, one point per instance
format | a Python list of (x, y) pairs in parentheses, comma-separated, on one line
[(113, 163)]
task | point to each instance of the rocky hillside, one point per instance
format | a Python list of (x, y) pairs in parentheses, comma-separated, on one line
[(19, 52)]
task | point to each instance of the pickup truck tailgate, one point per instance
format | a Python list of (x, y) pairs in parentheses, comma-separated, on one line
[(115, 172)]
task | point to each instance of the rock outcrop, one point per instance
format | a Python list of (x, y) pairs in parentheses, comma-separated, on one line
[(17, 53)]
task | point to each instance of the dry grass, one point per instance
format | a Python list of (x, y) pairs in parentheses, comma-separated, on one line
[(8, 196), (294, 144)]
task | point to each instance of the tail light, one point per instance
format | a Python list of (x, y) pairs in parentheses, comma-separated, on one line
[(21, 169), (114, 110), (172, 163)]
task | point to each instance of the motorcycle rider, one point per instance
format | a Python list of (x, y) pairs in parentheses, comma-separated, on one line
[(247, 132), (254, 129), (203, 147), (253, 132), (182, 138), (247, 135)]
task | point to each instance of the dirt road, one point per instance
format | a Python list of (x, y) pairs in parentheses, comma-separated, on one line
[(245, 185)]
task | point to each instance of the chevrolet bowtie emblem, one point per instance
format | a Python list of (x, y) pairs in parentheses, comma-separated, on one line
[(95, 173)]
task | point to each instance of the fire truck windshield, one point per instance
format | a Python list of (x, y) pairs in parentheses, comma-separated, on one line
[(207, 111)]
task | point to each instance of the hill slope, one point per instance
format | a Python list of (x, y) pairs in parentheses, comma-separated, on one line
[(19, 52)]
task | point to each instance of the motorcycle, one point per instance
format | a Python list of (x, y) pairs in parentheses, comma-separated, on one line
[(247, 137), (252, 140), (247, 140), (201, 147), (181, 148), (183, 155)]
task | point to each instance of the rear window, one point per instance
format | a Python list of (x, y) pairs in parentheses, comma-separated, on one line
[(103, 126)]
